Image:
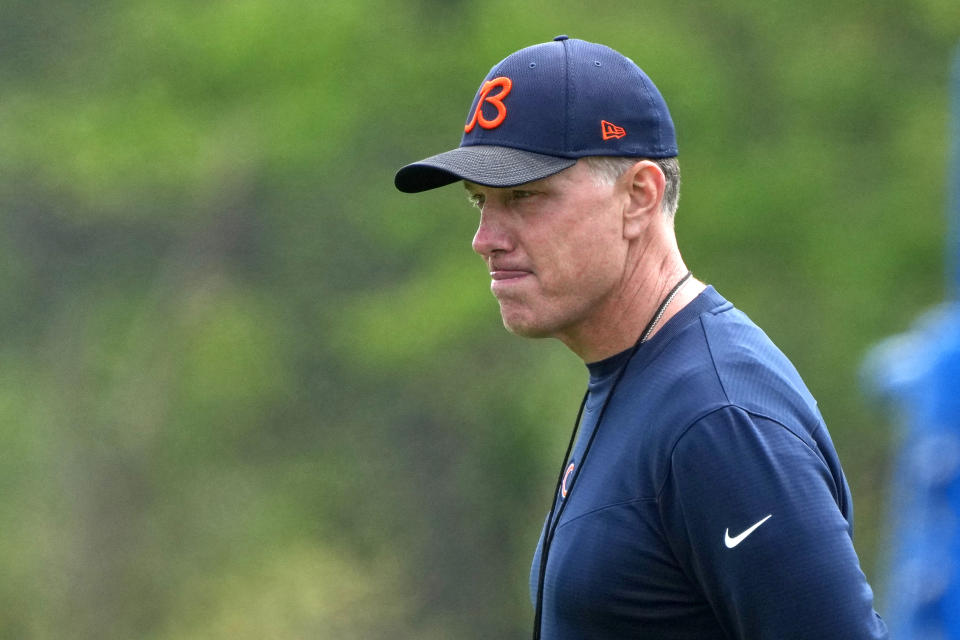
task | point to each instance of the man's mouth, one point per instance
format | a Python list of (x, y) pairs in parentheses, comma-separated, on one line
[(508, 274)]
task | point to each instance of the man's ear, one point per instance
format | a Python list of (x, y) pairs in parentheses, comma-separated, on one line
[(644, 183)]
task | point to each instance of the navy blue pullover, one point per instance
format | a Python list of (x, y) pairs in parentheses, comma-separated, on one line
[(711, 504)]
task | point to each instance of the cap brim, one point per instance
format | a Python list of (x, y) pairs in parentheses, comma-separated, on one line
[(488, 165)]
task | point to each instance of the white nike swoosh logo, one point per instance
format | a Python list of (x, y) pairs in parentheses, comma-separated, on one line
[(732, 542)]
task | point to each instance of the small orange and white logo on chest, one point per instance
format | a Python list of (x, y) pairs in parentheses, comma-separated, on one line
[(566, 475)]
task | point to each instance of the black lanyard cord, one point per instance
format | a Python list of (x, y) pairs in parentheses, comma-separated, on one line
[(551, 525)]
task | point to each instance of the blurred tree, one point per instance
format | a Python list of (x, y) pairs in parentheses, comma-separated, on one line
[(248, 389)]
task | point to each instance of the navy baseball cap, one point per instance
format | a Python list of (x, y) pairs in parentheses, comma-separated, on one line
[(541, 108)]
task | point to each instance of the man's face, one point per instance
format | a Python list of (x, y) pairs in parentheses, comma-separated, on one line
[(555, 251)]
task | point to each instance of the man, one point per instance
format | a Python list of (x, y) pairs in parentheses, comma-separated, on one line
[(703, 497)]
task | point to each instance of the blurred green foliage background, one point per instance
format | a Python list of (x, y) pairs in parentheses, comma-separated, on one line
[(249, 390)]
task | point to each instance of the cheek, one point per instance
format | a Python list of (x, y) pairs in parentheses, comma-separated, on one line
[(592, 252), (582, 247), (582, 268)]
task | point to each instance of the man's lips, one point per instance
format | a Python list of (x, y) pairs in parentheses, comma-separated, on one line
[(508, 274), (504, 279)]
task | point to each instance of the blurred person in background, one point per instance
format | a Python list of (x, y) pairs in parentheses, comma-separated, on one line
[(701, 495)]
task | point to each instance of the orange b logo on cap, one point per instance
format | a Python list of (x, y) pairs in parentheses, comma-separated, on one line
[(496, 100)]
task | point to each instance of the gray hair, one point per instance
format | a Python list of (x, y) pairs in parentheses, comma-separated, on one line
[(607, 169)]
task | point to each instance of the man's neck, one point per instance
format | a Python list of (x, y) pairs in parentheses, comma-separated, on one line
[(620, 330)]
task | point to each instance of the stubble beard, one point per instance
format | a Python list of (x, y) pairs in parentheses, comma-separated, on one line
[(520, 320), (518, 326), (543, 321)]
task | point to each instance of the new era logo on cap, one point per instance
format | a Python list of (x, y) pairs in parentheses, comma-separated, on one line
[(610, 130)]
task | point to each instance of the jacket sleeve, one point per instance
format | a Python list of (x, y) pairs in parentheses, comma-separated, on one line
[(759, 524)]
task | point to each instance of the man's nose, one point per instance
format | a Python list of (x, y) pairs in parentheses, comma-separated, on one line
[(492, 235)]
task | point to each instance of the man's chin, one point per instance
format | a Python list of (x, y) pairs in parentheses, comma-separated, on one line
[(525, 329)]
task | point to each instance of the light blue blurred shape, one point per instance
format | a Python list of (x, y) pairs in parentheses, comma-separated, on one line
[(918, 374)]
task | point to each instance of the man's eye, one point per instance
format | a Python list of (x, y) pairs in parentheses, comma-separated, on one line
[(519, 194)]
